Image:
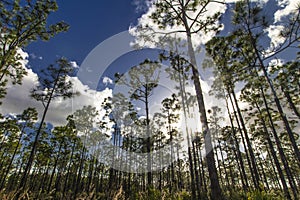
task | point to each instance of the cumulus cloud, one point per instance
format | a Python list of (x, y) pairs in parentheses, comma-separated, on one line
[(61, 108), (18, 97), (107, 80), (151, 35), (274, 33), (141, 5), (74, 64), (288, 7)]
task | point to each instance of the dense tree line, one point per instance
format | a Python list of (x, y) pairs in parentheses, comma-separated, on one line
[(130, 149)]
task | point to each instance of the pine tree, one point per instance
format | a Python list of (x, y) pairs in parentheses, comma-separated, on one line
[(54, 84)]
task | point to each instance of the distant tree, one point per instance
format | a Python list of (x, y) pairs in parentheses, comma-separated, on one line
[(85, 121), (141, 81), (169, 111), (25, 120)]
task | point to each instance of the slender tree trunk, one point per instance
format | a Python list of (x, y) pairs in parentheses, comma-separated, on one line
[(198, 192), (172, 183), (45, 176), (216, 192), (273, 91), (223, 164), (240, 161), (36, 139), (250, 149), (278, 144), (68, 169), (273, 173), (13, 157), (243, 139), (148, 141), (273, 153), (203, 172), (185, 112), (263, 174), (283, 116), (219, 168), (179, 171), (79, 174), (54, 168), (290, 101)]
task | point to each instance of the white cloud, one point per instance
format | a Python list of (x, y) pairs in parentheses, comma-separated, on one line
[(74, 64), (24, 55), (274, 33), (107, 80), (141, 5), (288, 7), (18, 97), (61, 108), (151, 35)]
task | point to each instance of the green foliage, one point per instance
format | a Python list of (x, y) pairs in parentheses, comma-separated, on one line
[(183, 195), (262, 195), (21, 24), (154, 194), (54, 83)]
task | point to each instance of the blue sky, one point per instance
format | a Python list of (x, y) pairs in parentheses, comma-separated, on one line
[(90, 22)]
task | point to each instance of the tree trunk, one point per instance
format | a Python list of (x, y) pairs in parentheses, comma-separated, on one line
[(278, 144), (13, 157), (273, 91), (216, 192), (290, 101), (250, 149), (243, 139), (148, 141), (238, 155), (36, 139), (54, 168)]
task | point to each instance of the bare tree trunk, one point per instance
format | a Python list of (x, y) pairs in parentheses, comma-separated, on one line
[(249, 145), (216, 192), (238, 155), (278, 144)]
